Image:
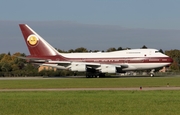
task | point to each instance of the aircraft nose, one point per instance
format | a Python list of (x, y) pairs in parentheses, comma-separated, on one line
[(170, 60)]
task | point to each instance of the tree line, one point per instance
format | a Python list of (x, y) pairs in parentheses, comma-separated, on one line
[(11, 65)]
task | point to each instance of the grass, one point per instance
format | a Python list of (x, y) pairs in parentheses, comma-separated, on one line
[(90, 103), (90, 83)]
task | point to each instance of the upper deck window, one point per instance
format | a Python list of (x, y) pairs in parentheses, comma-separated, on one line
[(133, 52)]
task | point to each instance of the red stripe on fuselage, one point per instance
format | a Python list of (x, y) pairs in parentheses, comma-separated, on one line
[(110, 60)]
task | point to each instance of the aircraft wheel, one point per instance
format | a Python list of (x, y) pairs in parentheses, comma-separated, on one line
[(87, 76), (75, 74), (102, 75), (151, 74)]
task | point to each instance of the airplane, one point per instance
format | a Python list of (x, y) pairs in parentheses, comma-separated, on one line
[(95, 64)]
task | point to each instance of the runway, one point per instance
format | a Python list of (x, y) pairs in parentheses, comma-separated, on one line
[(80, 89), (97, 89)]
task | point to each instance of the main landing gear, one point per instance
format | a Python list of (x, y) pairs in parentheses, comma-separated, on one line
[(151, 74), (94, 75)]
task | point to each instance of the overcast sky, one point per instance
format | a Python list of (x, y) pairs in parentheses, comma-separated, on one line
[(93, 24)]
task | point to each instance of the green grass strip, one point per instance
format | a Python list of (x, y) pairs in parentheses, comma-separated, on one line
[(90, 103), (90, 83)]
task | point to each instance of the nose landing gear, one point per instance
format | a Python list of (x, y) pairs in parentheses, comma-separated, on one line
[(152, 72)]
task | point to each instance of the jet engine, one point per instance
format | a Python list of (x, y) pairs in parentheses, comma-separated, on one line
[(78, 67), (108, 69)]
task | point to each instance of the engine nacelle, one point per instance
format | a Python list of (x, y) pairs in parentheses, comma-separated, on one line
[(78, 67), (108, 69)]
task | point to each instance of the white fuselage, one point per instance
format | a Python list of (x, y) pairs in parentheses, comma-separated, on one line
[(136, 59)]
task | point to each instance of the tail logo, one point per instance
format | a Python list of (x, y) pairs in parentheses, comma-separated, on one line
[(32, 40)]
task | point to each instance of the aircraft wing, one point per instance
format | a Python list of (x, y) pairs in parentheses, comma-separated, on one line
[(71, 64), (67, 64)]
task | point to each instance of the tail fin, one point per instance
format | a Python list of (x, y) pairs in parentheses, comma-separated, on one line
[(36, 44)]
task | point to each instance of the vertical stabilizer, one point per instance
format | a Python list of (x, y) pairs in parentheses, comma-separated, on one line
[(36, 44)]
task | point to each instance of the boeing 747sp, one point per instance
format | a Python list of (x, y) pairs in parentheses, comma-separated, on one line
[(94, 64)]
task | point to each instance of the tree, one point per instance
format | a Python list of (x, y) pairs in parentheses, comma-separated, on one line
[(95, 51), (61, 51), (175, 55), (6, 58), (111, 49), (6, 67), (71, 51), (120, 48), (15, 67), (2, 55), (81, 49)]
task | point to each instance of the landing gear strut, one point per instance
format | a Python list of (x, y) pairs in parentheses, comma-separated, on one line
[(91, 76), (94, 75), (91, 72), (152, 72)]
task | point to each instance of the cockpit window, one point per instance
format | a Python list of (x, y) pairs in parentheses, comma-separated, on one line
[(157, 52)]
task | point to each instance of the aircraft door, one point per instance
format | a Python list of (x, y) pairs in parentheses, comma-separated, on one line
[(150, 52), (126, 61), (83, 59)]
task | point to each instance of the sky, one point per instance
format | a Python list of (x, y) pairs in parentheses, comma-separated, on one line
[(93, 24)]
